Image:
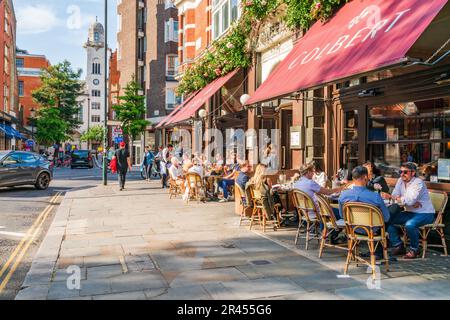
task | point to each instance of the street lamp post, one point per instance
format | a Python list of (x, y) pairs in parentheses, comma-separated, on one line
[(89, 118), (32, 113), (105, 140)]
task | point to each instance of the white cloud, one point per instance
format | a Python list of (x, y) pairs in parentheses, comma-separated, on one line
[(36, 19)]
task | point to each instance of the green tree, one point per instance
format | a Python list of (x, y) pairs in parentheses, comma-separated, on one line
[(51, 128), (60, 89), (131, 111), (96, 133)]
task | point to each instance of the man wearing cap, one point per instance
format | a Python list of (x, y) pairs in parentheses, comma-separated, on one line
[(123, 164), (412, 193)]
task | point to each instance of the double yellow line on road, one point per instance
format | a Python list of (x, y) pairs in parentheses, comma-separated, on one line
[(25, 243)]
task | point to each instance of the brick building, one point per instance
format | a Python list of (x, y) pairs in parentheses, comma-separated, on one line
[(195, 29), (9, 124), (29, 68), (148, 52)]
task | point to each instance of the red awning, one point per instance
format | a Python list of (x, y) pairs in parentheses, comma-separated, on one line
[(166, 120), (201, 98), (363, 36)]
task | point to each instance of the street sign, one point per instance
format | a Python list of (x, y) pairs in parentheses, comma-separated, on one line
[(118, 140), (30, 143), (117, 132)]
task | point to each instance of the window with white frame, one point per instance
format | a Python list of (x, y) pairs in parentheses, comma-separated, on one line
[(171, 31), (172, 65), (172, 100), (95, 119), (119, 22), (225, 12), (96, 93), (95, 105), (169, 4)]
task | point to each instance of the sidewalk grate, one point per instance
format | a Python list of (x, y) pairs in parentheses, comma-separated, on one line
[(261, 262)]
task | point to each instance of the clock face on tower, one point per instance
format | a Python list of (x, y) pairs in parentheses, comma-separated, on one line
[(96, 82)]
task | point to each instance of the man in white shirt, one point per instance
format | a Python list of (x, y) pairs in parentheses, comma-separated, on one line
[(176, 171), (166, 156), (411, 192)]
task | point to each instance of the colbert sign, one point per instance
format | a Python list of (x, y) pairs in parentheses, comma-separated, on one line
[(364, 35)]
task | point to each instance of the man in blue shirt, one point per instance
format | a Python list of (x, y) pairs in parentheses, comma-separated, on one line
[(360, 193), (148, 162)]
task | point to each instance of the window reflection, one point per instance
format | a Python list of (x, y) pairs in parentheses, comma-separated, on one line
[(414, 131)]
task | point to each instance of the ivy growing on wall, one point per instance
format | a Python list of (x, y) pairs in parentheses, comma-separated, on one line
[(236, 48)]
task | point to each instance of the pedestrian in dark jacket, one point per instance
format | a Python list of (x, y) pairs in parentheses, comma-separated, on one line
[(123, 160)]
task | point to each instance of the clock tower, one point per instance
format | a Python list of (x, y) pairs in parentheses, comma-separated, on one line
[(93, 105)]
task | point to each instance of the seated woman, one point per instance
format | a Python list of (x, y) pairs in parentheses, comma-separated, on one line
[(262, 186), (376, 181)]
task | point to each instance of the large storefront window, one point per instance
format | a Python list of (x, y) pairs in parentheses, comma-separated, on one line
[(413, 131)]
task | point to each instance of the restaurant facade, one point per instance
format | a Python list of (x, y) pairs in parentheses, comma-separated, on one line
[(372, 83)]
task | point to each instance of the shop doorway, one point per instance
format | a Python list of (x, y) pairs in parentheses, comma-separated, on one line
[(286, 152)]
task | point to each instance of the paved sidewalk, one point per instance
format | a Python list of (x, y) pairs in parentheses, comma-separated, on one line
[(138, 244)]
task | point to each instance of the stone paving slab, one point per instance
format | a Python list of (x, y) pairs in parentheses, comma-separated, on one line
[(140, 245)]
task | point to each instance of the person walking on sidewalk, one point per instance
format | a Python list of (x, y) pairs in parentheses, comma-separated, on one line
[(123, 164), (148, 162)]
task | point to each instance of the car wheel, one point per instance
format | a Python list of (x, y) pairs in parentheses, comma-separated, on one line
[(72, 167), (43, 181)]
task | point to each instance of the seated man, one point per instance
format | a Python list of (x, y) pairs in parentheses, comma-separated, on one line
[(176, 172), (243, 176), (310, 187), (411, 192), (231, 172), (360, 193)]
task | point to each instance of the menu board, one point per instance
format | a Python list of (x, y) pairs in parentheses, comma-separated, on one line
[(444, 169)]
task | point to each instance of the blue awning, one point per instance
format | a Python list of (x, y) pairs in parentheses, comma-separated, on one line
[(10, 131)]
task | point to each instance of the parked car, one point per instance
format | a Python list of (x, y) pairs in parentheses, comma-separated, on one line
[(82, 158), (18, 168)]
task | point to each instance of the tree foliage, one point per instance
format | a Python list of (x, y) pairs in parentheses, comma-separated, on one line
[(131, 110), (96, 133), (51, 128), (237, 47), (60, 89)]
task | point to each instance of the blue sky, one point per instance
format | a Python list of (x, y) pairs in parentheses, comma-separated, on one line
[(58, 28)]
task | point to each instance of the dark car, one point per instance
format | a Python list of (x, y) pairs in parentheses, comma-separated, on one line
[(82, 158), (18, 168)]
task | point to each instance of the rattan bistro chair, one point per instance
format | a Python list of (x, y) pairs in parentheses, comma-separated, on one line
[(308, 214), (244, 205), (258, 210), (196, 187), (174, 188), (439, 200), (362, 221), (330, 224)]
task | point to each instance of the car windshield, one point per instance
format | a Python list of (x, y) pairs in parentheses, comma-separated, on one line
[(80, 154), (3, 153)]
